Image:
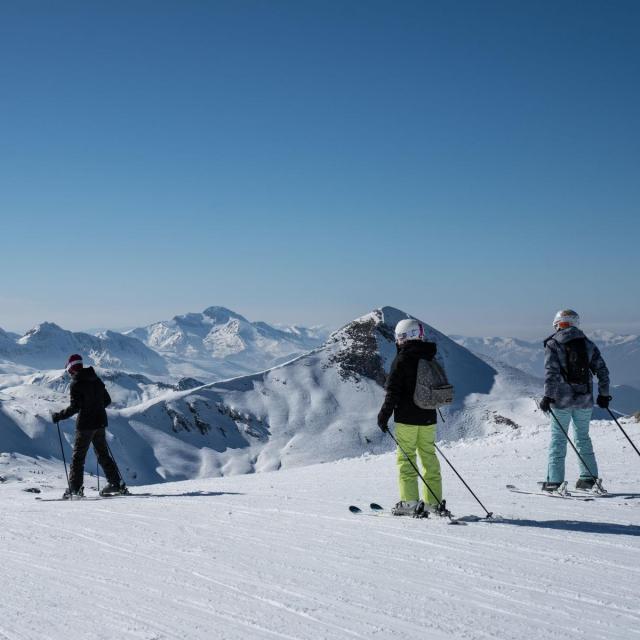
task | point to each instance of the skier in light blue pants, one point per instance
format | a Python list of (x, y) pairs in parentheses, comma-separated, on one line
[(558, 447), (571, 360)]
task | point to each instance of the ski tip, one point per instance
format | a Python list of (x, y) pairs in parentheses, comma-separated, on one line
[(375, 507), (355, 509)]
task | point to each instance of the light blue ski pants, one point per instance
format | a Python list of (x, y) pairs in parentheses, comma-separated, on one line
[(558, 447)]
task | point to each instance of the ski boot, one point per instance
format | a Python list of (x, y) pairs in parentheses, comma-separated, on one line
[(73, 494), (550, 487), (439, 510), (590, 485), (114, 489), (405, 508)]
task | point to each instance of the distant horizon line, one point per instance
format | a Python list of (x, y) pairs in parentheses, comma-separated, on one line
[(621, 329)]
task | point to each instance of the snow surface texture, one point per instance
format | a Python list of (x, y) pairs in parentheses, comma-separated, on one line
[(278, 555), (319, 407)]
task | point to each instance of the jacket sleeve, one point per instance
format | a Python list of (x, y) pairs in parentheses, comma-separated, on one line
[(74, 405), (393, 388), (552, 371), (599, 368), (107, 397)]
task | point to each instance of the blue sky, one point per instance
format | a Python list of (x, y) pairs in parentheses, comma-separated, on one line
[(474, 163)]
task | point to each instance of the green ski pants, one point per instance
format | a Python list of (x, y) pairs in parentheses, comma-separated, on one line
[(420, 438)]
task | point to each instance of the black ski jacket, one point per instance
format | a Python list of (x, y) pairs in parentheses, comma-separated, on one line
[(89, 398), (401, 385)]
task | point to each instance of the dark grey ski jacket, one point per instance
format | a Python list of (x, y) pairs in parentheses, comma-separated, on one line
[(564, 394)]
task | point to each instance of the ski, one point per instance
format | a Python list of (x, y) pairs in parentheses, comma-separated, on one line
[(376, 510), (95, 498), (562, 495), (599, 496)]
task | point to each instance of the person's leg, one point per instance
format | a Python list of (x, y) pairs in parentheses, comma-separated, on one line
[(558, 445), (581, 422), (105, 460), (407, 437), (430, 464), (80, 448)]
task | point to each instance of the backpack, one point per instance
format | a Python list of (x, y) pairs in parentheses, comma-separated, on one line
[(432, 387), (577, 354)]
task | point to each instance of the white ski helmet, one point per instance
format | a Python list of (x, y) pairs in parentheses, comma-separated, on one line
[(409, 329), (566, 316)]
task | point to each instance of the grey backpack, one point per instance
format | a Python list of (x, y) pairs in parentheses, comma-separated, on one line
[(432, 387)]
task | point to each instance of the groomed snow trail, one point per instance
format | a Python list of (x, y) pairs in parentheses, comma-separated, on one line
[(278, 555)]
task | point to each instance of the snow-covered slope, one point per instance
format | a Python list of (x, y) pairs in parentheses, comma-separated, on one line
[(277, 555), (622, 354), (47, 346), (219, 343)]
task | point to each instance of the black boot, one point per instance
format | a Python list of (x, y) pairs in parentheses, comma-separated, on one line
[(585, 483), (73, 494), (550, 487), (114, 489)]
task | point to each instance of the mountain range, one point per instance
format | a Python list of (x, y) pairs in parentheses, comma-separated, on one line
[(212, 345)]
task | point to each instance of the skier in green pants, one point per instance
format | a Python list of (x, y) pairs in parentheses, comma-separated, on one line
[(415, 427)]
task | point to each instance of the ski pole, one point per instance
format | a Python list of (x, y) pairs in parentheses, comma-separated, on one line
[(440, 503), (623, 431), (566, 435), (114, 460), (489, 513), (64, 459)]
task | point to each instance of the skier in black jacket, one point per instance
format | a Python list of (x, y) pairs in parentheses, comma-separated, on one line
[(415, 427), (89, 398)]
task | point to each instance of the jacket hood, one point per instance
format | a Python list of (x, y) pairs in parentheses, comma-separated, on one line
[(419, 349), (565, 335), (88, 373)]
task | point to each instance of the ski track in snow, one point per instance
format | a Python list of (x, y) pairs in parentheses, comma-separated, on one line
[(278, 555)]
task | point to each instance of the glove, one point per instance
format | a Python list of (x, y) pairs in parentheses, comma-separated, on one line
[(603, 401), (545, 403), (55, 417), (382, 423)]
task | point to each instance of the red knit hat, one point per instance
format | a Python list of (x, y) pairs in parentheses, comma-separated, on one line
[(74, 363)]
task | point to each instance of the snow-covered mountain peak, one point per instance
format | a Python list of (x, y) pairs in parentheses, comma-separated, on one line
[(45, 331), (221, 343), (222, 315)]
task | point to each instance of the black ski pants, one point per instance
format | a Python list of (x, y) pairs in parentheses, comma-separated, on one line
[(83, 439)]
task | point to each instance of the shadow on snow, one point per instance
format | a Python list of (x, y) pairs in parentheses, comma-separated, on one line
[(607, 528)]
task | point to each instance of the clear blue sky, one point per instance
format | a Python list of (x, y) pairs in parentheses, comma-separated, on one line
[(474, 163)]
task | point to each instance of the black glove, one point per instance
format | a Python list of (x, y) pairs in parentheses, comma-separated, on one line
[(603, 401), (545, 403), (55, 417), (382, 423)]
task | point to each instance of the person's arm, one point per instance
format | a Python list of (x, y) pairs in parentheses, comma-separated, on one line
[(599, 369), (72, 409), (393, 388)]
